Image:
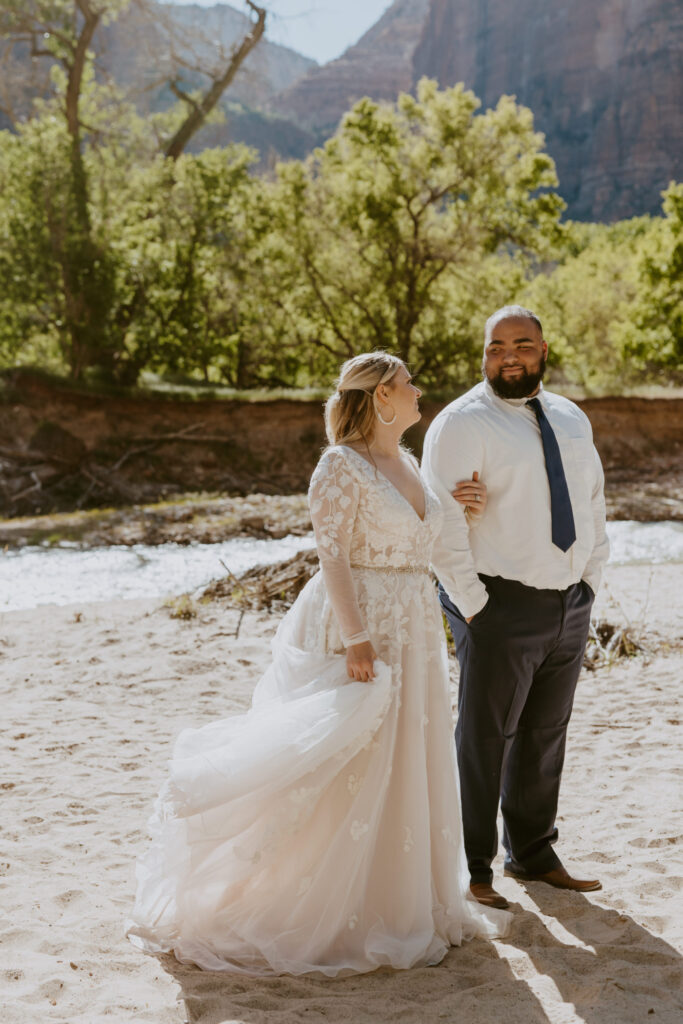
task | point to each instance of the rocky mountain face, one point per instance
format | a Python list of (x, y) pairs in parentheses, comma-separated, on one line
[(379, 65), (604, 80)]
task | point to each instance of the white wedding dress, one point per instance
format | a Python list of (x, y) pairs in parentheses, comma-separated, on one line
[(320, 831)]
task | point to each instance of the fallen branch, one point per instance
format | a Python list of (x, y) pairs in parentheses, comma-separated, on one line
[(19, 455), (266, 586), (104, 479), (155, 441), (167, 438), (608, 643), (36, 486)]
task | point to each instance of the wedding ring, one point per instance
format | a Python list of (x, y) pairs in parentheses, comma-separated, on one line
[(477, 498)]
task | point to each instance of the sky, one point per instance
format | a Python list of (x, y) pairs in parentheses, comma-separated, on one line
[(321, 29)]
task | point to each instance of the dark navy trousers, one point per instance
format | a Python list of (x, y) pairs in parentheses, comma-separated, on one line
[(520, 659)]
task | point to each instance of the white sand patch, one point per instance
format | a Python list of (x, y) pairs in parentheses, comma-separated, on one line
[(92, 696)]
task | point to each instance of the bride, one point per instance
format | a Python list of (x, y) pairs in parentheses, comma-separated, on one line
[(320, 831)]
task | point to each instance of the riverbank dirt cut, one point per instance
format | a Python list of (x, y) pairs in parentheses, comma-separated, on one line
[(62, 449)]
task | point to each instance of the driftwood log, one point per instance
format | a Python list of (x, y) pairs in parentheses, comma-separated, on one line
[(267, 586)]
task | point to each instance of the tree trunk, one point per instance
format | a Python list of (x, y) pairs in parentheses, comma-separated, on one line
[(84, 273)]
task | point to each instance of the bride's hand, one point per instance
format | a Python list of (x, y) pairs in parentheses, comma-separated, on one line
[(359, 662), (472, 494)]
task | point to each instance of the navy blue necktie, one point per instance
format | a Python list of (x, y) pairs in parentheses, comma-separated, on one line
[(563, 529)]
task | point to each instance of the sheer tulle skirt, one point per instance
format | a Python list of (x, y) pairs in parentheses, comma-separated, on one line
[(320, 831)]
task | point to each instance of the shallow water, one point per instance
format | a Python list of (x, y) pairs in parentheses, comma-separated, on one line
[(639, 543), (33, 576)]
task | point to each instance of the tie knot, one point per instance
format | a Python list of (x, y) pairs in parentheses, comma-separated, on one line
[(534, 403)]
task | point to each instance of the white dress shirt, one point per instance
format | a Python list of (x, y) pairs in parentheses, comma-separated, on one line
[(501, 439)]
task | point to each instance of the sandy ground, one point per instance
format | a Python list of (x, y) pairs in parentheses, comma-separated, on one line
[(91, 699)]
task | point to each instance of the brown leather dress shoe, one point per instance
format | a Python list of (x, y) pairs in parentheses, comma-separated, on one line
[(558, 877), (487, 895)]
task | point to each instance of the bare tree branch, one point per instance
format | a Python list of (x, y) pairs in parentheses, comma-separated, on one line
[(182, 96), (220, 83)]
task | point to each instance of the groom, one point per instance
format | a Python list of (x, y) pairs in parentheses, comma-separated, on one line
[(517, 591)]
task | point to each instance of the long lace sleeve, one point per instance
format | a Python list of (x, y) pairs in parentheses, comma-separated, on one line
[(333, 498)]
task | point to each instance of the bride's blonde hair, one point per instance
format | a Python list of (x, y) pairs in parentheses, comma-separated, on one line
[(350, 412)]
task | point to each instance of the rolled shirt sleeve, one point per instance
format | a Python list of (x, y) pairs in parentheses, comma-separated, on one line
[(453, 452), (592, 574)]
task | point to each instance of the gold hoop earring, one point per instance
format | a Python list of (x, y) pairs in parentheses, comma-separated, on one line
[(385, 423)]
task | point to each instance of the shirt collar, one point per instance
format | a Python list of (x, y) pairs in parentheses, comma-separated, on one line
[(515, 403)]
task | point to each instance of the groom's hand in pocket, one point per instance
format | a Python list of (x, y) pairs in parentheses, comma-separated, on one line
[(360, 662), (468, 620)]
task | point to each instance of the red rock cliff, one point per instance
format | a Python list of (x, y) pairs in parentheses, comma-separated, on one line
[(379, 65), (604, 80)]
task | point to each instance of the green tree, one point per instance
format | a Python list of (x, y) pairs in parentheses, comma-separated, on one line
[(612, 307), (66, 176), (181, 234), (381, 234), (175, 236), (585, 300), (62, 31), (652, 340)]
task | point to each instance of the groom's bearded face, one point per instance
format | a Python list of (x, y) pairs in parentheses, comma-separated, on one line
[(519, 386), (515, 358)]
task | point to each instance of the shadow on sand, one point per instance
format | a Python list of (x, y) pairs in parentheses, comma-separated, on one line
[(584, 963), (606, 964)]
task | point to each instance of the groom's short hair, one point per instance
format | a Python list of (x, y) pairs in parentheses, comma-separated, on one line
[(506, 313)]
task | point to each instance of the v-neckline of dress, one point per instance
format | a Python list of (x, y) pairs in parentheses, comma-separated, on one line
[(393, 486)]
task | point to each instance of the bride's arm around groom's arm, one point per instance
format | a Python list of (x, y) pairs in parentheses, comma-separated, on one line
[(452, 453)]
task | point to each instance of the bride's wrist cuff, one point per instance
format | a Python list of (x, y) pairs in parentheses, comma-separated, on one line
[(357, 638)]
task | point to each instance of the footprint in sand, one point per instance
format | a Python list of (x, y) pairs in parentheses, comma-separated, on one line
[(64, 899), (660, 841), (661, 888), (13, 974), (655, 866)]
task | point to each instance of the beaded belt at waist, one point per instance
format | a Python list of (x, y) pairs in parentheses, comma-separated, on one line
[(393, 568)]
